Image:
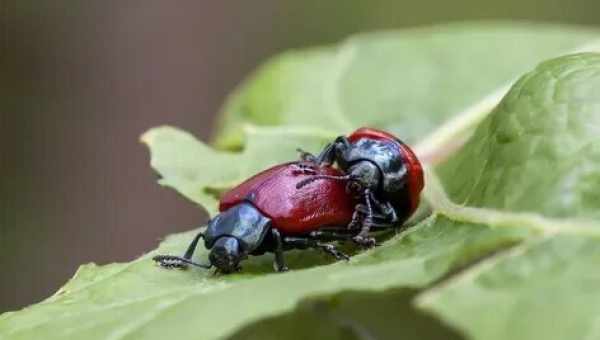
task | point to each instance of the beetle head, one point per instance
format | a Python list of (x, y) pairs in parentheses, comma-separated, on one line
[(225, 254), (363, 175)]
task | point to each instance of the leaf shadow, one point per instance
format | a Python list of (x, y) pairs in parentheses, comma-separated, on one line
[(352, 315)]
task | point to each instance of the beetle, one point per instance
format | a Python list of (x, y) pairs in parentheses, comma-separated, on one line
[(268, 213), (381, 169)]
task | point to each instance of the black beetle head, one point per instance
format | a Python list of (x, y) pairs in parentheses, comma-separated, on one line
[(226, 254), (364, 175)]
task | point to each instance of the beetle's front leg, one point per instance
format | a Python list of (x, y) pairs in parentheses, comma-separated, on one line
[(327, 156), (306, 156), (385, 217), (362, 238), (388, 212)]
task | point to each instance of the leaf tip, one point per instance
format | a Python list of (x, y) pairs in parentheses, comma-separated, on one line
[(149, 137)]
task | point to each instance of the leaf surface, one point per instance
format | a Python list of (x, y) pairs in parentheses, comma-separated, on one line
[(538, 151)]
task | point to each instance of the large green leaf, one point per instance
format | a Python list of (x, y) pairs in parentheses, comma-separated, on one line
[(138, 300), (417, 80), (538, 151)]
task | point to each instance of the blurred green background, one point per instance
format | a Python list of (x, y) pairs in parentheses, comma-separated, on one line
[(81, 80)]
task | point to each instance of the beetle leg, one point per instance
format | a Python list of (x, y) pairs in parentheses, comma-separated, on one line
[(327, 155), (386, 218), (303, 243), (330, 235), (306, 156), (361, 209), (342, 142), (331, 150), (363, 238), (333, 251), (357, 217), (279, 263), (388, 213)]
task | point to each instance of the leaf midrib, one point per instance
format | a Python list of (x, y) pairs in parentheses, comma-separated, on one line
[(441, 204)]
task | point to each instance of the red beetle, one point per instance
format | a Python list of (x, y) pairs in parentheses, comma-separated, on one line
[(268, 213), (381, 169)]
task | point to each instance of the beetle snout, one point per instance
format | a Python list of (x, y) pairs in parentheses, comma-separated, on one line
[(225, 254)]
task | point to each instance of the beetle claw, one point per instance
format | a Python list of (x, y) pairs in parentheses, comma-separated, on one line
[(333, 251), (279, 269), (364, 241)]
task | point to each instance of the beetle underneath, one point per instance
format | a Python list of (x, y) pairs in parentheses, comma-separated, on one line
[(268, 213)]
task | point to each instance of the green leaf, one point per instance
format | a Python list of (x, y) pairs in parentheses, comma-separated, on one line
[(139, 300), (538, 151), (416, 80), (200, 173), (543, 289)]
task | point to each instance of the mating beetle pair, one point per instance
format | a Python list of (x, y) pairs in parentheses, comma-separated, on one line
[(311, 203)]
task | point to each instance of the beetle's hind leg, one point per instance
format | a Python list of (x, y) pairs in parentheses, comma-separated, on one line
[(333, 251), (305, 242)]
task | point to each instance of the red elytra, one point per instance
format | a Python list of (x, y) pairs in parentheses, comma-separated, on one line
[(415, 170), (295, 211)]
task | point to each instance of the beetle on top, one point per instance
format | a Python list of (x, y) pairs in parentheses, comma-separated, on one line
[(381, 169)]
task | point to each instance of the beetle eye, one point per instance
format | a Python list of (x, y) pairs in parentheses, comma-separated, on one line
[(354, 187)]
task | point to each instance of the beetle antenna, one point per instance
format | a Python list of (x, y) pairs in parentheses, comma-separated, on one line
[(318, 177), (192, 247), (171, 261)]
